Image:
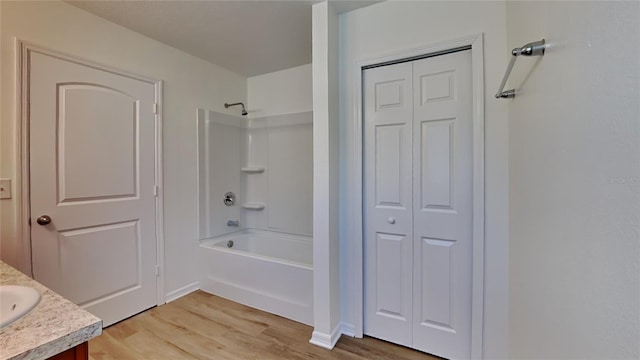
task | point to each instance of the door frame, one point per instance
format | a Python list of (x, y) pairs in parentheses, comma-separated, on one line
[(356, 276), (23, 185)]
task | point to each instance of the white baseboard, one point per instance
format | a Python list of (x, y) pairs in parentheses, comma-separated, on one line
[(178, 293), (327, 341), (348, 329)]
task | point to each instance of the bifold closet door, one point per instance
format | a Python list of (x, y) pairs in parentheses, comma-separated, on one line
[(388, 204), (442, 207), (418, 203)]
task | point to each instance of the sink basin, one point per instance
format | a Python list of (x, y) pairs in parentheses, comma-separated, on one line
[(16, 302)]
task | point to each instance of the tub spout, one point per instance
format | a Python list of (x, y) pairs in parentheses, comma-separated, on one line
[(233, 223)]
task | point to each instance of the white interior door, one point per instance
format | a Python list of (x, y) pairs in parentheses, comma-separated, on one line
[(418, 269), (442, 190), (388, 208), (92, 171)]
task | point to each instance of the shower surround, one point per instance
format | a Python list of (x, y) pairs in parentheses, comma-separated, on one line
[(267, 163)]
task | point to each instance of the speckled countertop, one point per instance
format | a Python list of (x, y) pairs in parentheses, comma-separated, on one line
[(54, 326)]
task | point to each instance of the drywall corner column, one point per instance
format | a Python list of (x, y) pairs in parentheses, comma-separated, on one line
[(326, 266)]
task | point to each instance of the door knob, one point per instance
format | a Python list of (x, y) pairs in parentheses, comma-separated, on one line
[(43, 219), (229, 199), (391, 220)]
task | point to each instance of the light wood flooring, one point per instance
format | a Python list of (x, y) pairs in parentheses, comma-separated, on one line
[(204, 326)]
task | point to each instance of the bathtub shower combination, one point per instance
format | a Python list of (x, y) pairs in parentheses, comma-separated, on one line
[(267, 270), (255, 211)]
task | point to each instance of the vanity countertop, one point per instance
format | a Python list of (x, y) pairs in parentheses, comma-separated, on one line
[(53, 326)]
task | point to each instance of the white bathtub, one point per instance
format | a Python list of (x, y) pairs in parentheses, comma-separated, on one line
[(267, 270)]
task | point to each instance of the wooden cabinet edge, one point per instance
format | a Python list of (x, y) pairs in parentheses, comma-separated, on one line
[(79, 352)]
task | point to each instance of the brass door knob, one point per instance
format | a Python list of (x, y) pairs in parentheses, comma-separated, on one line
[(43, 220)]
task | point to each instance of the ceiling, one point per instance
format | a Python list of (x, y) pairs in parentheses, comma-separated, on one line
[(246, 37)]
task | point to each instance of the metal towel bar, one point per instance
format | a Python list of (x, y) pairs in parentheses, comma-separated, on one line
[(535, 48)]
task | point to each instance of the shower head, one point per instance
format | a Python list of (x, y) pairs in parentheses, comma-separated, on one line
[(244, 111)]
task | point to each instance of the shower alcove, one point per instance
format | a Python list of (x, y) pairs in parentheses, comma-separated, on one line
[(266, 260)]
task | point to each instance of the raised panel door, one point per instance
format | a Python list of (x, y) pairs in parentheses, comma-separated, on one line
[(418, 203), (92, 170), (442, 213), (388, 203)]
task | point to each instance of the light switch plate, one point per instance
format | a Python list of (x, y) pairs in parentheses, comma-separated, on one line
[(5, 188)]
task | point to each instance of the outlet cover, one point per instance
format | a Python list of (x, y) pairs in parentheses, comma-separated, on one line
[(5, 188)]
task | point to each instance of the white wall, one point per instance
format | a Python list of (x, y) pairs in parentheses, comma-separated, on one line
[(189, 83), (403, 25), (574, 140), (280, 138), (282, 92)]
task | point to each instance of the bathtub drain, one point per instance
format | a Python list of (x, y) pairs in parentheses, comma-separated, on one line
[(230, 243)]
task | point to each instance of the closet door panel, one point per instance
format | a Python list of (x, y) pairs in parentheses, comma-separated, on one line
[(388, 203), (442, 218)]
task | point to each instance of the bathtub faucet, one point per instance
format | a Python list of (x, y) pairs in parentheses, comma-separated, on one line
[(233, 223)]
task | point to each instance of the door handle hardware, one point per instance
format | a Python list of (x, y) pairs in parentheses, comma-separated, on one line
[(391, 220), (43, 220), (229, 199)]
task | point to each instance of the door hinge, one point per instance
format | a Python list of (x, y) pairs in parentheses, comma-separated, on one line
[(155, 108), (155, 190), (29, 221), (157, 270)]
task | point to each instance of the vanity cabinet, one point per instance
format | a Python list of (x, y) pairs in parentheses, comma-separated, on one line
[(79, 352)]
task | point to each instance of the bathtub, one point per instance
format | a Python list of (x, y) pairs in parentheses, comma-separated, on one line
[(266, 270)]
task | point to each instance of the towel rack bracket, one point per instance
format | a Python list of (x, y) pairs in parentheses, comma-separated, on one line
[(507, 94), (535, 48)]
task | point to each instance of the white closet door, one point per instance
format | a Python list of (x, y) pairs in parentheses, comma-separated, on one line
[(418, 170), (388, 205), (442, 192)]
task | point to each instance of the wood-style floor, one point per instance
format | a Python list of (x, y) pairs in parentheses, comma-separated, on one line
[(204, 326)]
